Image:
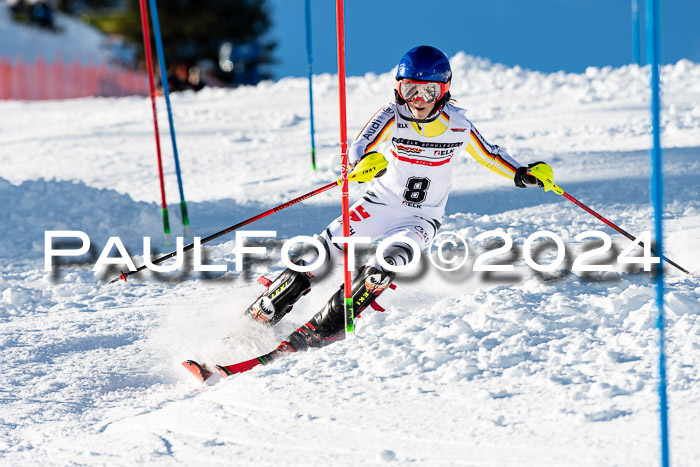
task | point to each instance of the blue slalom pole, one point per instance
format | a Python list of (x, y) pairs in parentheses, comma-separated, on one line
[(652, 32), (636, 32), (311, 88), (166, 93)]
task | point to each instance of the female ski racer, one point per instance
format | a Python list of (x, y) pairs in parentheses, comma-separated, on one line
[(420, 134)]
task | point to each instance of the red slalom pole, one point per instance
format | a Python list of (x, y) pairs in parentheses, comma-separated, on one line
[(152, 88), (340, 26)]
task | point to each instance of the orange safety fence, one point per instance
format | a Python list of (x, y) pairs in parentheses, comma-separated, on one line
[(42, 80)]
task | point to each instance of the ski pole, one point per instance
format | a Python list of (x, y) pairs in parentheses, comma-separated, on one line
[(218, 234), (364, 171), (544, 174)]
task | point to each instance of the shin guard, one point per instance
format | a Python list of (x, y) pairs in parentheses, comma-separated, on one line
[(280, 297), (328, 324)]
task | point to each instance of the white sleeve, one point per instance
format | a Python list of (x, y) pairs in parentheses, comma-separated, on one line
[(377, 130), (493, 157)]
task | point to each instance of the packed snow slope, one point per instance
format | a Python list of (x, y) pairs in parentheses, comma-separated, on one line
[(463, 368)]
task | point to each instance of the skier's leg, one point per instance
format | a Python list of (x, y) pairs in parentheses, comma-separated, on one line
[(328, 324), (290, 286), (367, 219), (280, 296), (400, 252)]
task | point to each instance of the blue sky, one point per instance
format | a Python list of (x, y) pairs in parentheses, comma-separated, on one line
[(545, 35)]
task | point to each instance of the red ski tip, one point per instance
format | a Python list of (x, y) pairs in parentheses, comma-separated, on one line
[(198, 371), (229, 370)]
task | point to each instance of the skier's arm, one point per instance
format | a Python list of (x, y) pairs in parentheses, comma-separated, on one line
[(375, 132), (490, 156), (498, 160)]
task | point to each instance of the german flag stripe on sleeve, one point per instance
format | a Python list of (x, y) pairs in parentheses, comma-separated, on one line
[(445, 118), (487, 153), (380, 135), (490, 164)]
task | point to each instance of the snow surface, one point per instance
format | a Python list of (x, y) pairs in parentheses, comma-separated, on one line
[(463, 368)]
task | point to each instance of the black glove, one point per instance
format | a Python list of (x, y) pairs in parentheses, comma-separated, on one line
[(523, 179)]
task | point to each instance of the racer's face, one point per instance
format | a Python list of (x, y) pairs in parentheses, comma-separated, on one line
[(420, 109)]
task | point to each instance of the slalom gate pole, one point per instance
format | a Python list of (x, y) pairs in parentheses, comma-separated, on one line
[(340, 26), (309, 65), (152, 89), (166, 93), (653, 40), (218, 234), (620, 230), (636, 35)]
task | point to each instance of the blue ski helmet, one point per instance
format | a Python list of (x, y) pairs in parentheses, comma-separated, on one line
[(424, 63)]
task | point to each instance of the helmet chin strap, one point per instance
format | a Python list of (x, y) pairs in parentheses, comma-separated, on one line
[(430, 118)]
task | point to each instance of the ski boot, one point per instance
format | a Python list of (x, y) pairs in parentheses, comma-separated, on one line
[(280, 296), (328, 325)]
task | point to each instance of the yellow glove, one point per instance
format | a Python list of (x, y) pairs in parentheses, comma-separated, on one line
[(370, 165)]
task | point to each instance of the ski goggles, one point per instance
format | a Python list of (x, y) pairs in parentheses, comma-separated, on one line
[(428, 91)]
